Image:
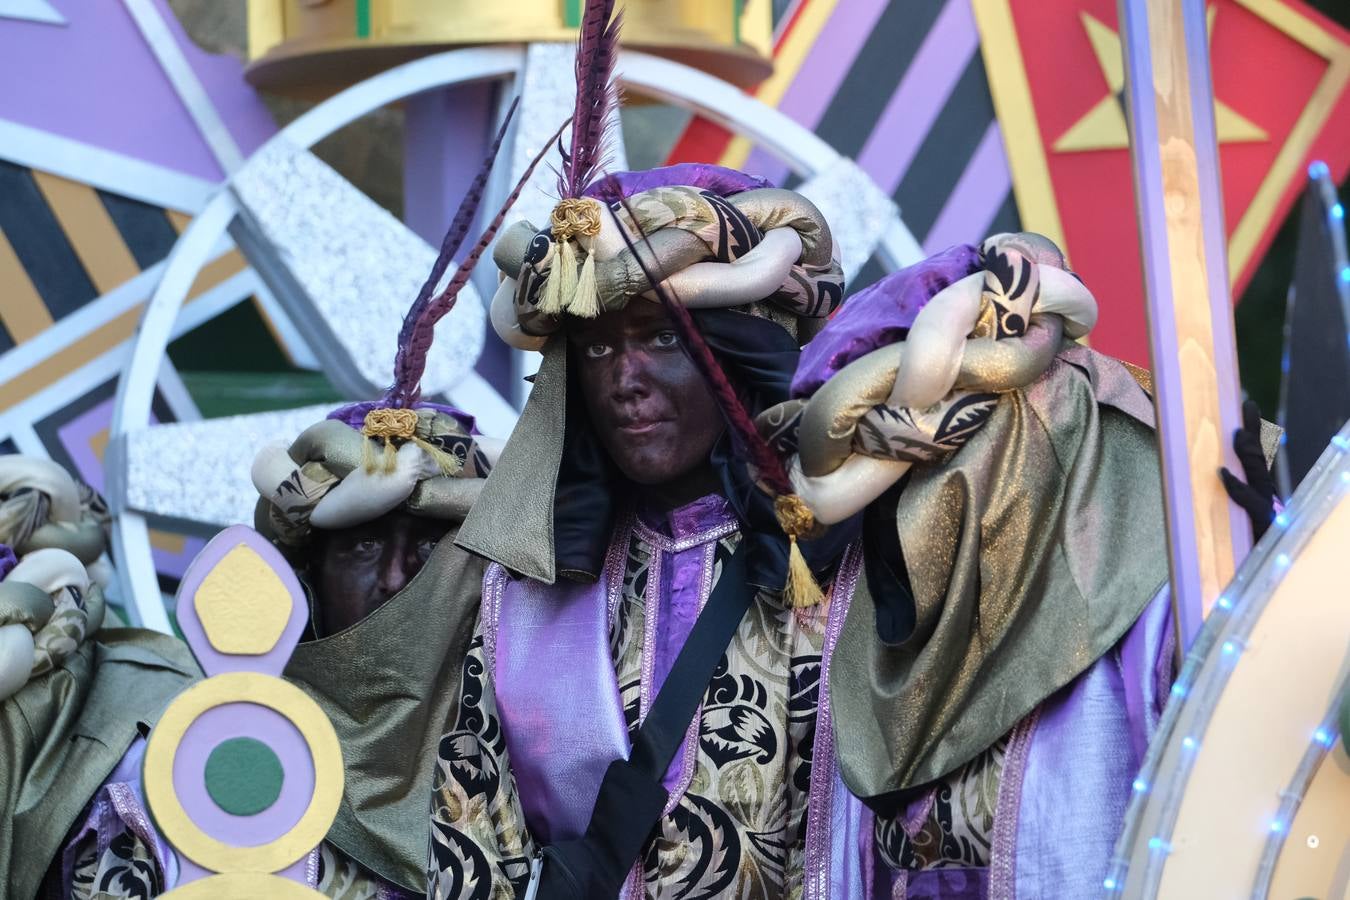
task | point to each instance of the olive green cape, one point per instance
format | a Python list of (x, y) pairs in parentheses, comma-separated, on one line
[(63, 733), (387, 683)]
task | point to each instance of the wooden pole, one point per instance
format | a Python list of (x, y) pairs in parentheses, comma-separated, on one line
[(1170, 103)]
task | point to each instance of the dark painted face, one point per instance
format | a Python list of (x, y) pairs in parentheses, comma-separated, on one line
[(650, 407), (355, 571)]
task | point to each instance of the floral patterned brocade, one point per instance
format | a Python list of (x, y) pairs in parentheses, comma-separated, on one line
[(736, 824), (957, 829)]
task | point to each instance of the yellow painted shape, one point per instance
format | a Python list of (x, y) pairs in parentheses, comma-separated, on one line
[(23, 312), (173, 820), (90, 230), (243, 886), (179, 220), (1106, 47), (786, 63), (1242, 243), (1103, 127), (242, 603), (1036, 201), (1008, 83)]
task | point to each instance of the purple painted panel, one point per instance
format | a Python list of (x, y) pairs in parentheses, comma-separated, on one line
[(976, 199), (210, 730), (914, 107), (214, 662), (117, 97), (821, 74)]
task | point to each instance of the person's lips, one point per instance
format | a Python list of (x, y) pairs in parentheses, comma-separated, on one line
[(638, 427)]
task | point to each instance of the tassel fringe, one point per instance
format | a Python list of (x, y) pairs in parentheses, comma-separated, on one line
[(449, 464), (567, 284), (802, 589), (586, 300), (387, 460), (795, 518), (552, 302)]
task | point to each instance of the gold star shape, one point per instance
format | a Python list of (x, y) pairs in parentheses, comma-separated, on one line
[(1103, 127)]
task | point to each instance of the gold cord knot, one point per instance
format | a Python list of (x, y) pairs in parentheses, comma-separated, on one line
[(794, 516), (573, 218), (390, 423)]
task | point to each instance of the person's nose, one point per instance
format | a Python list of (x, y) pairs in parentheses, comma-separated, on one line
[(632, 374), (394, 570)]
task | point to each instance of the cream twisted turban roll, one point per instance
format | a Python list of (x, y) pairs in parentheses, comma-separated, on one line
[(52, 533), (366, 460), (718, 238), (910, 368)]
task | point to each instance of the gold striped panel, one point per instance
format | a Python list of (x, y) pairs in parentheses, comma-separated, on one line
[(90, 230), (107, 336), (21, 307)]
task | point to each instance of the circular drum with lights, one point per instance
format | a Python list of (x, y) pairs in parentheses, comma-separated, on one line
[(1246, 788)]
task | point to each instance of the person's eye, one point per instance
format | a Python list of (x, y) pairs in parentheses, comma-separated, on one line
[(367, 547), (597, 351), (425, 546), (667, 340)]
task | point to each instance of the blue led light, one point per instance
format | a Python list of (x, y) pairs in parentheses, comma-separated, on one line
[(1345, 274), (1229, 648), (1223, 602), (1341, 442), (1317, 169), (1109, 884), (1338, 212), (1282, 520), (1140, 785), (1345, 476), (1188, 743), (1158, 845), (1276, 827), (1178, 690), (1323, 737), (1282, 560)]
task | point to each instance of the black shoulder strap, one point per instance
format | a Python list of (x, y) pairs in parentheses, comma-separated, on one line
[(631, 796)]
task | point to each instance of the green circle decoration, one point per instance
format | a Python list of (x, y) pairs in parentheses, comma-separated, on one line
[(243, 776)]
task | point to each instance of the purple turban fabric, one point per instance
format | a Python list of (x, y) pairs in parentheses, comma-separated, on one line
[(7, 560), (720, 180), (354, 414), (879, 315)]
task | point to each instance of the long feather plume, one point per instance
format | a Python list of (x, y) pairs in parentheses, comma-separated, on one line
[(597, 98), (404, 380), (412, 354)]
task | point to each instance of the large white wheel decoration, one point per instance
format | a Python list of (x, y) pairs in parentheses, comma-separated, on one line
[(195, 474)]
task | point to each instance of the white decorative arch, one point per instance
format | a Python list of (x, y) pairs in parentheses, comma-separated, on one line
[(804, 152)]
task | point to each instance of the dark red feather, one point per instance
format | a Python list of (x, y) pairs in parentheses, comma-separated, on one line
[(412, 352), (597, 98)]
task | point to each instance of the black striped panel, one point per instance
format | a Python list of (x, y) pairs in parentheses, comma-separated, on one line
[(40, 243), (876, 73), (8, 446), (1007, 218), (946, 150), (145, 229)]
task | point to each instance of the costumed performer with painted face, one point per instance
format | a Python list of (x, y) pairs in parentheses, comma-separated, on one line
[(361, 504), (658, 704)]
